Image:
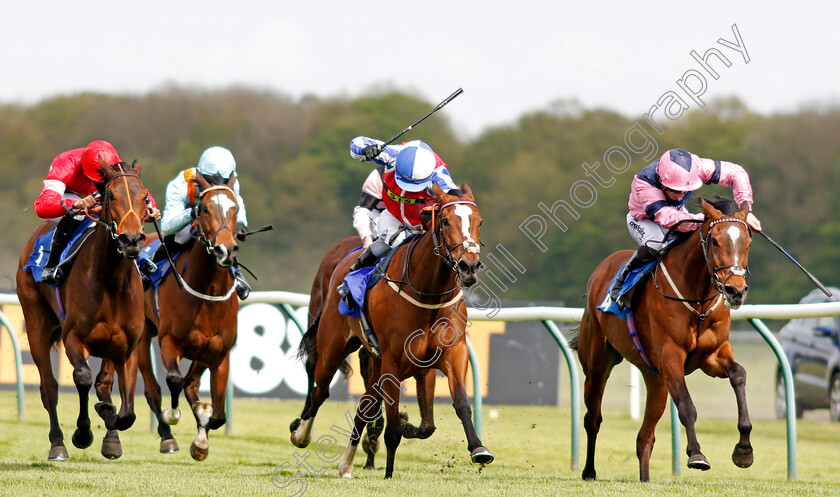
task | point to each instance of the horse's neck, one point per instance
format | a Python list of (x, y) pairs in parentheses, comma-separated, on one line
[(428, 271), (687, 266), (106, 259)]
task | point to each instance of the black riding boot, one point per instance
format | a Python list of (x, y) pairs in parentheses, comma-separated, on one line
[(367, 258), (642, 256), (62, 234)]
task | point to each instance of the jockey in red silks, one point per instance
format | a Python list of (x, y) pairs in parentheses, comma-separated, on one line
[(68, 190), (658, 196), (394, 193)]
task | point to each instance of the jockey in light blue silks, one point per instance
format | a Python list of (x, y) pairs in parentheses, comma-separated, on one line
[(216, 165)]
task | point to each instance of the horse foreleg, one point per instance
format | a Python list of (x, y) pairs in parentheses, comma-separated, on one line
[(83, 378), (111, 446), (39, 347), (218, 391), (168, 445), (368, 413), (200, 447), (370, 444), (657, 398), (426, 403), (455, 368), (723, 364), (673, 372), (389, 386), (171, 356)]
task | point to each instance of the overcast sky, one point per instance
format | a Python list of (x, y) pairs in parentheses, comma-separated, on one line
[(509, 57)]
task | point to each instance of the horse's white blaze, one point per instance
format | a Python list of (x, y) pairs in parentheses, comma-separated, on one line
[(224, 202), (734, 233), (464, 212), (345, 467)]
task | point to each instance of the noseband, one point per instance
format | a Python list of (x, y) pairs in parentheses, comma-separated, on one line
[(209, 244), (734, 270)]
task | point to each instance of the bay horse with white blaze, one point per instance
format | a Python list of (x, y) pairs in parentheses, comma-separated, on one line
[(682, 327), (425, 380), (102, 298), (197, 322), (419, 317)]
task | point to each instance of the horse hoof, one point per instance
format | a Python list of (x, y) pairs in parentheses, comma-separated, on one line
[(369, 467), (294, 425), (82, 441), (588, 474), (403, 417), (481, 456), (345, 471), (370, 447), (125, 423), (742, 457), (111, 448), (104, 408), (58, 453), (198, 453), (171, 416), (169, 446), (699, 461)]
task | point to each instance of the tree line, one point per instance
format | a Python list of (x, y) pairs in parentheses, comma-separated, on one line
[(296, 174)]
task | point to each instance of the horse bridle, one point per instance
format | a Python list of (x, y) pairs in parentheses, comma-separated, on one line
[(445, 251), (114, 228), (734, 269), (209, 244), (441, 250)]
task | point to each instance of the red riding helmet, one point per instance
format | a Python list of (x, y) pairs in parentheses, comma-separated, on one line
[(91, 155)]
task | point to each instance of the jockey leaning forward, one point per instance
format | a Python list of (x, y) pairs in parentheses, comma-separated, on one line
[(68, 190), (658, 195)]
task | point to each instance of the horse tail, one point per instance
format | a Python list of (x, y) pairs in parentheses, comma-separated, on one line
[(308, 348), (574, 338)]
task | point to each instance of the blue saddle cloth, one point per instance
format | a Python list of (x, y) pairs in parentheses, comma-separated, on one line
[(162, 267), (362, 280), (41, 250), (607, 305)]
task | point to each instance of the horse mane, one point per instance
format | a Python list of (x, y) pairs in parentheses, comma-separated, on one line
[(724, 204)]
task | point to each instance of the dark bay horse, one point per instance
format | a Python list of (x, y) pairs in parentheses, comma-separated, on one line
[(197, 322), (425, 380), (682, 327), (419, 317), (103, 300)]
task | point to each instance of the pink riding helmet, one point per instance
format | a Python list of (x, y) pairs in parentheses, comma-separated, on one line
[(679, 170)]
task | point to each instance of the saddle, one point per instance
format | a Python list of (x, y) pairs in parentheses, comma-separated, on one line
[(41, 249)]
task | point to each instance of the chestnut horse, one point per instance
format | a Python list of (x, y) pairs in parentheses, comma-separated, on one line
[(197, 322), (419, 317), (681, 326), (425, 380), (103, 300)]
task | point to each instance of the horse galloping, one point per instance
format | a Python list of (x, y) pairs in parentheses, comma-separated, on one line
[(197, 322), (682, 327), (102, 301), (419, 317), (425, 380)]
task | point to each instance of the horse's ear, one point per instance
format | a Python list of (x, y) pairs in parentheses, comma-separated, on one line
[(709, 210), (230, 181), (203, 184), (426, 217), (439, 193), (467, 190), (136, 167), (104, 167)]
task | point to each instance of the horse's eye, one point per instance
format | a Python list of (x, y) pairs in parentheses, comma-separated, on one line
[(444, 222), (110, 196), (715, 242)]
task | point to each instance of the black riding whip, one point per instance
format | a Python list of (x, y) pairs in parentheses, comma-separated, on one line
[(439, 106), (808, 274), (165, 248)]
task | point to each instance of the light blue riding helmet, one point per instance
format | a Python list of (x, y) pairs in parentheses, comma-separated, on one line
[(217, 161), (415, 166)]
